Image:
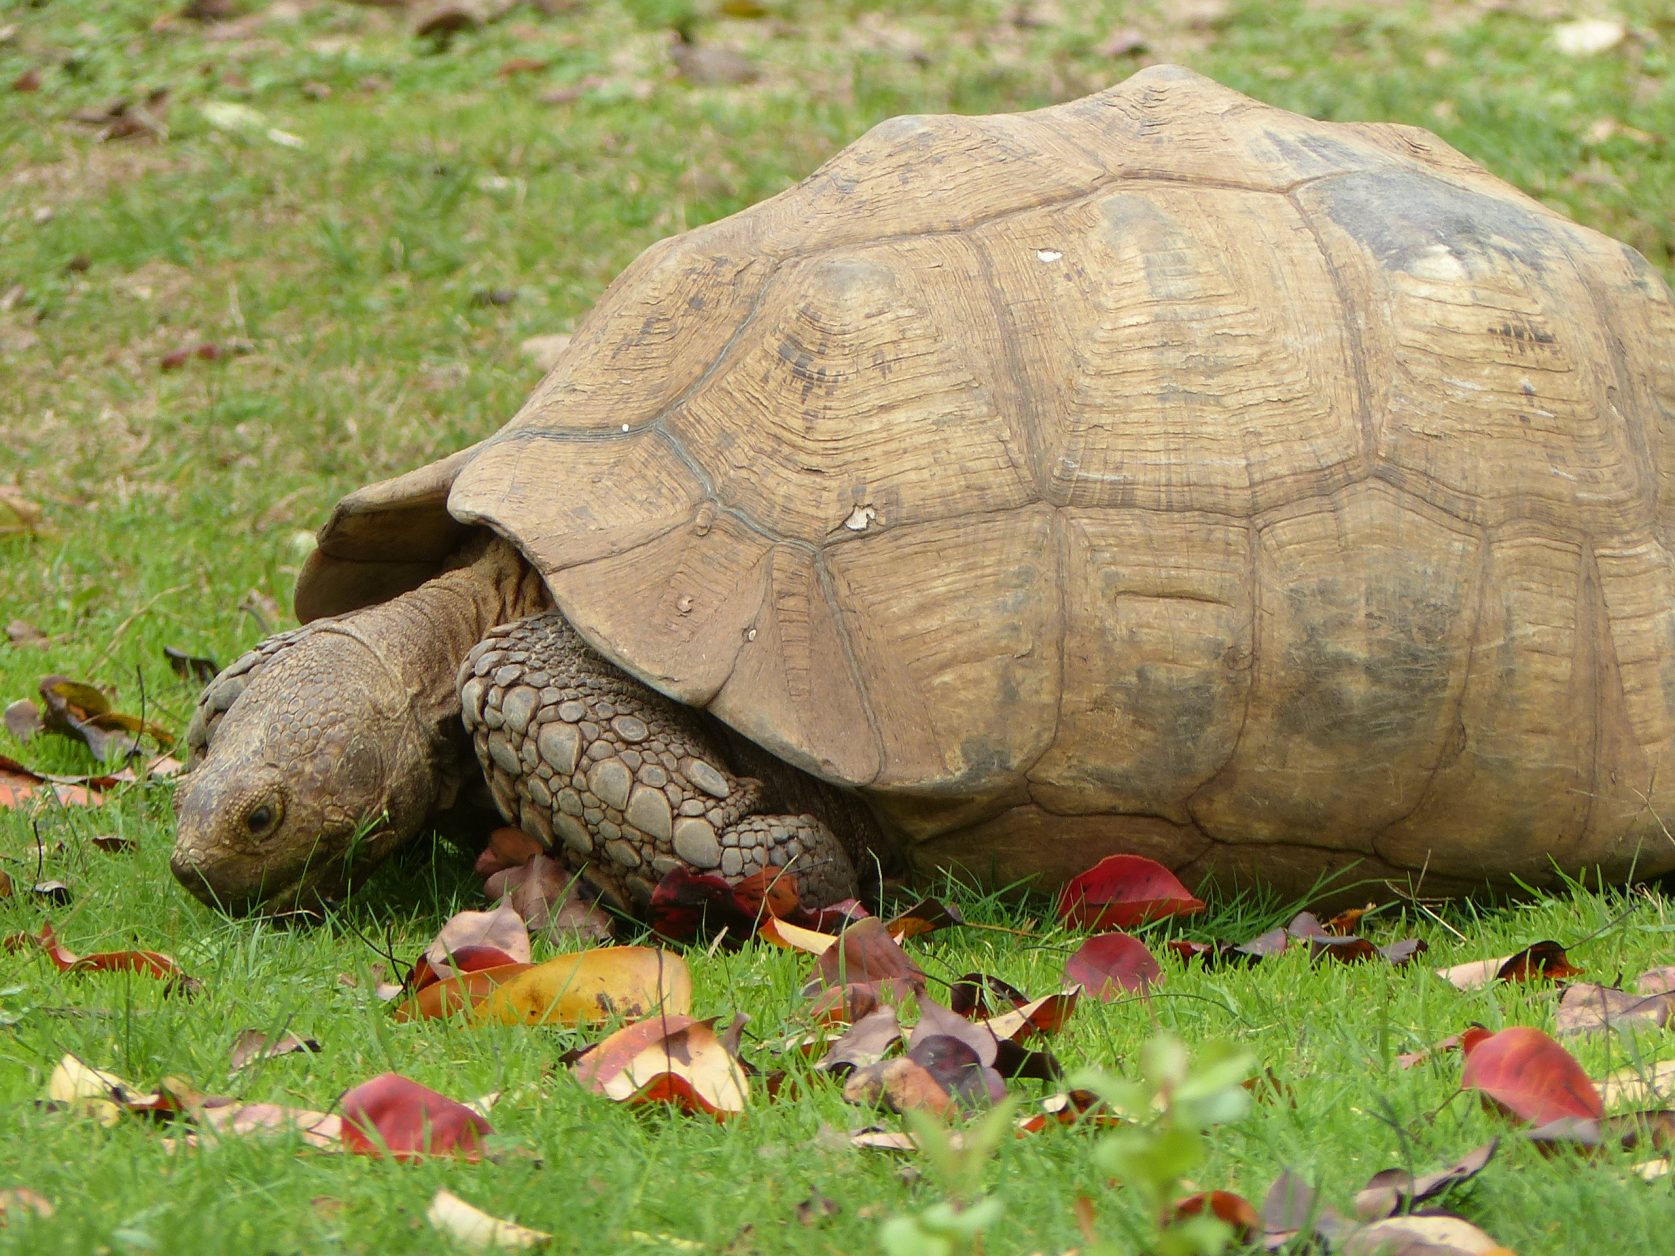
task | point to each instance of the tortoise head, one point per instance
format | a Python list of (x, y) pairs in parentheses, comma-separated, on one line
[(314, 773)]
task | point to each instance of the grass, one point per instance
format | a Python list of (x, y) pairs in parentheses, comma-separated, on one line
[(348, 262)]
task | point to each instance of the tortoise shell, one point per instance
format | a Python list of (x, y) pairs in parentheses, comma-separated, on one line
[(1159, 472)]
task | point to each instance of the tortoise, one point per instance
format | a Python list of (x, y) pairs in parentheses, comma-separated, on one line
[(1159, 472)]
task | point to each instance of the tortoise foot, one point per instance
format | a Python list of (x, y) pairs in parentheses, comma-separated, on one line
[(619, 780)]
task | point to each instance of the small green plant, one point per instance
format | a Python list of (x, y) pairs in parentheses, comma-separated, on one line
[(1173, 1102), (956, 1159)]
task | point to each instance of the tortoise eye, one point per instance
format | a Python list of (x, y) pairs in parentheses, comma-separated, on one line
[(260, 818)]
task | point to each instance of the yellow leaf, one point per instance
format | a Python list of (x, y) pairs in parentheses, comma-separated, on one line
[(471, 1227), (88, 1090), (591, 986)]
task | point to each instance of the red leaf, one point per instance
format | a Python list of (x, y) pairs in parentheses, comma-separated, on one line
[(1525, 1073), (1234, 1210), (395, 1116), (1121, 891), (866, 952), (149, 963), (1110, 964)]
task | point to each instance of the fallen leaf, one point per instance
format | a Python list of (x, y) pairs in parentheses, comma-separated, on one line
[(19, 785), (464, 991), (254, 1044), (667, 1059), (471, 1227), (1396, 1190), (22, 633), (147, 963), (232, 1119), (507, 848), (1638, 1084), (866, 952), (1546, 960), (1122, 891), (1588, 37), (23, 719), (1110, 965), (395, 1116), (1234, 1211), (925, 916), (191, 667), (1586, 1008), (502, 930), (865, 1042), (1422, 1234), (978, 995), (591, 986), (1045, 1015), (17, 1201), (901, 1085), (1528, 1075)]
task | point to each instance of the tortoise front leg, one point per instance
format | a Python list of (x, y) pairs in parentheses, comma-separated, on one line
[(618, 778)]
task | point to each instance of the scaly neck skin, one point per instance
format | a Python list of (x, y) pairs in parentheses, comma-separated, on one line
[(343, 742), (421, 638)]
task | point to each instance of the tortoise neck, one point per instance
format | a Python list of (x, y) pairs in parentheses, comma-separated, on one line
[(423, 636)]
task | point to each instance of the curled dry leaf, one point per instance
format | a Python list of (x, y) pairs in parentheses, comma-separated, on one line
[(1422, 1234), (1071, 1107), (1586, 1008), (471, 1227), (866, 952), (229, 1118), (1526, 1074), (1110, 965), (1639, 1084), (667, 1059), (1544, 960), (502, 930), (592, 986), (148, 963), (395, 1116), (19, 785), (1122, 891), (1045, 1015), (507, 848), (254, 1044), (866, 1042), (1396, 1190)]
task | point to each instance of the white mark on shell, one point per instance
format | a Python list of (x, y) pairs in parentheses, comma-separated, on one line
[(683, 604), (1048, 255), (860, 518)]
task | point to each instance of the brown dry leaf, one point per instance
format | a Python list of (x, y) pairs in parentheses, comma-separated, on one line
[(1040, 1016), (592, 986), (865, 952), (1398, 1189), (18, 785), (18, 514), (253, 1044), (23, 719), (1656, 980), (667, 1059), (231, 1119), (1638, 1086), (15, 1201), (1544, 959), (507, 848), (900, 1084), (1433, 1234), (866, 1042), (471, 1227), (1586, 1008), (22, 633), (502, 929), (713, 65)]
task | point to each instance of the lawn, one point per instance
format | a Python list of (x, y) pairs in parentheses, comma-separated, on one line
[(251, 263)]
